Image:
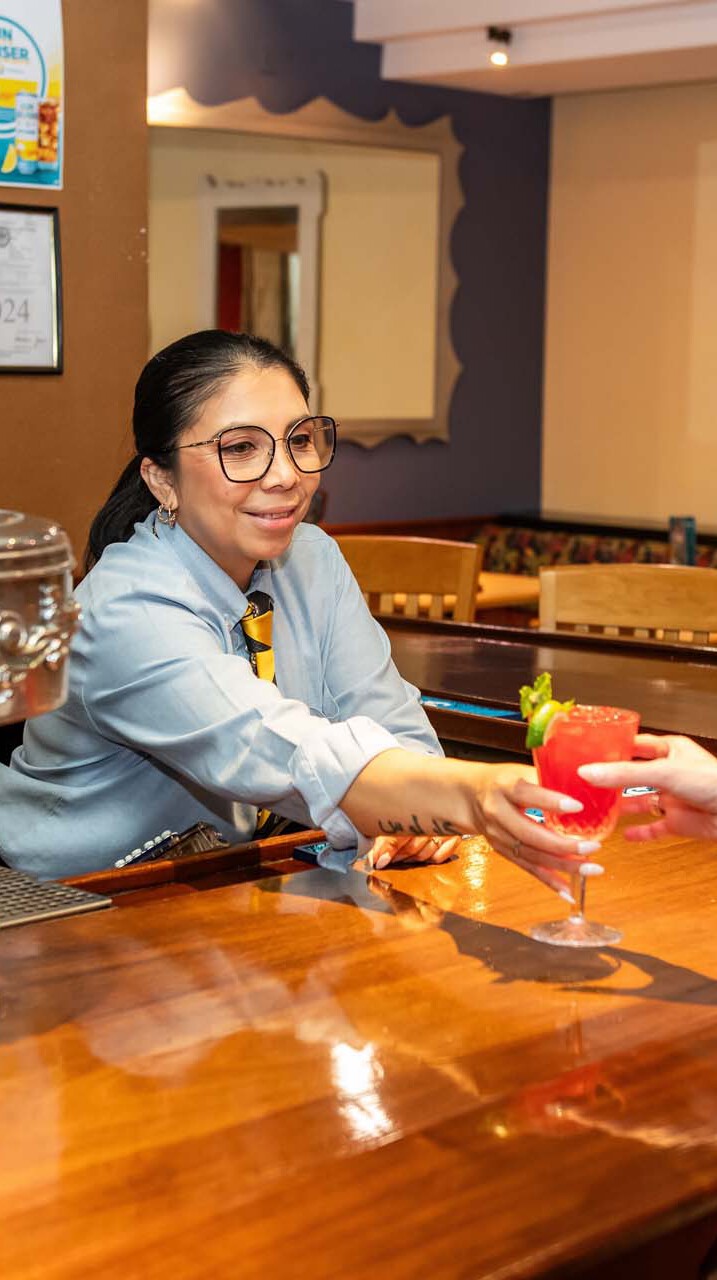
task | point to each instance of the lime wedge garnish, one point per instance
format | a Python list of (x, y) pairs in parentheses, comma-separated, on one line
[(539, 721)]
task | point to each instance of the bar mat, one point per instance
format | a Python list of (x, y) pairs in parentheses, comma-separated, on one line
[(469, 708), (24, 899)]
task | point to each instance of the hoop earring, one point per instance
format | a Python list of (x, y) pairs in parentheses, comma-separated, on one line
[(166, 515)]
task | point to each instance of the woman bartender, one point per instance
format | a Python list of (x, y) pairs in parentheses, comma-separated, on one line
[(172, 715)]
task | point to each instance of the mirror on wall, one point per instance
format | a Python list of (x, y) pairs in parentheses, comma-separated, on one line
[(335, 249), (257, 273), (258, 250)]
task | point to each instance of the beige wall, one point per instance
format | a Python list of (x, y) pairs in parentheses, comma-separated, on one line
[(378, 269), (630, 415), (65, 438)]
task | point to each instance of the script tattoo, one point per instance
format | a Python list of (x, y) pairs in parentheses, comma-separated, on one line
[(389, 827), (445, 828)]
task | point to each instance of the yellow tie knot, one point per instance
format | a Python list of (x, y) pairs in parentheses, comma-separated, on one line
[(256, 625)]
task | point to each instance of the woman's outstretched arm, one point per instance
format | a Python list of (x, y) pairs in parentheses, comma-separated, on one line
[(403, 795)]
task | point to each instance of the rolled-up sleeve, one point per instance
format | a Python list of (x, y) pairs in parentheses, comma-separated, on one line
[(161, 684)]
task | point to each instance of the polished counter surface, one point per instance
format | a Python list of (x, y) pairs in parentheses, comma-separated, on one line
[(322, 1074), (674, 688)]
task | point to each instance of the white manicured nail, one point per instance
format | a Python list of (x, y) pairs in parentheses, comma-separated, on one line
[(592, 772), (567, 805), (591, 869), (588, 846), (567, 896)]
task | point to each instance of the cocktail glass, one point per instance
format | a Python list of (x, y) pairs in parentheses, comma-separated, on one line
[(583, 735)]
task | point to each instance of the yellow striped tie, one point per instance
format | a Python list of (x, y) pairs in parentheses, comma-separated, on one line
[(256, 625)]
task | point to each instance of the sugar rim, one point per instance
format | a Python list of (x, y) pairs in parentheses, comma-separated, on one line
[(601, 714)]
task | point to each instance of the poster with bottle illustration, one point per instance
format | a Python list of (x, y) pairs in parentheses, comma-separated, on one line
[(31, 93)]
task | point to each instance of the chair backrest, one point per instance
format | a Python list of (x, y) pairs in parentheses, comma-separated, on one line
[(411, 576), (672, 603)]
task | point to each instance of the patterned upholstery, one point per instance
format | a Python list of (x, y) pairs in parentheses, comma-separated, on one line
[(518, 549)]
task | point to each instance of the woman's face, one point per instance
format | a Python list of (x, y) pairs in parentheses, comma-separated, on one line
[(238, 524)]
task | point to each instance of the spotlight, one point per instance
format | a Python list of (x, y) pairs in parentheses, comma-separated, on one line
[(499, 38)]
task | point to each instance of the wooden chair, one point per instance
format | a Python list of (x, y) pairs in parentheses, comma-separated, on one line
[(414, 576), (672, 603)]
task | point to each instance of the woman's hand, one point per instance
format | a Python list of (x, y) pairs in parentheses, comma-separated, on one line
[(414, 797), (542, 853), (388, 849), (685, 776)]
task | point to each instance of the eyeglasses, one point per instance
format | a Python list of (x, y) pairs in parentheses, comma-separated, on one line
[(246, 453)]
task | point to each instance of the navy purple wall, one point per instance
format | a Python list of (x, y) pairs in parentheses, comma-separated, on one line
[(286, 52)]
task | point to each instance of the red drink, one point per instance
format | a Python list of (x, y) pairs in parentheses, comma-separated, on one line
[(585, 735)]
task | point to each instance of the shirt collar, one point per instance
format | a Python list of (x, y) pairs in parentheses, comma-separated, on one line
[(212, 581)]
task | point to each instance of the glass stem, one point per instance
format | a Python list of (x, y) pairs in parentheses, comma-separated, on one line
[(578, 885)]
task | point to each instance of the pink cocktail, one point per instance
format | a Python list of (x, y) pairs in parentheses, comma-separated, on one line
[(583, 735)]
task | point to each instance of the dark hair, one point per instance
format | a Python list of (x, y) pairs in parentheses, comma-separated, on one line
[(169, 395)]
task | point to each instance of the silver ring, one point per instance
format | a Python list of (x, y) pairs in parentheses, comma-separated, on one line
[(515, 847)]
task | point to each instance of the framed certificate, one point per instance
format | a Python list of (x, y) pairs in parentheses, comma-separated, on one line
[(30, 290)]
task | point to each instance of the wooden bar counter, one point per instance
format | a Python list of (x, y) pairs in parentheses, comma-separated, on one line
[(674, 687), (324, 1075)]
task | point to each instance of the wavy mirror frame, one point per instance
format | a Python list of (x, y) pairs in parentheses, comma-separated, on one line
[(321, 121)]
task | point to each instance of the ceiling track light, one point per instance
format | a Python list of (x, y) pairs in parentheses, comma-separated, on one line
[(499, 39)]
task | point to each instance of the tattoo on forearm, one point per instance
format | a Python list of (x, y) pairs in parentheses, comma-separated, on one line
[(390, 827), (445, 828)]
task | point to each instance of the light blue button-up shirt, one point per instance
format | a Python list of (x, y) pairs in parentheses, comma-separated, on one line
[(166, 724)]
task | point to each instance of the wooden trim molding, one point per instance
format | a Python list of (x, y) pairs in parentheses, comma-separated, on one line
[(320, 120)]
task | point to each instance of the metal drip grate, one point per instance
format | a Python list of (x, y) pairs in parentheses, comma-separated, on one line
[(24, 899)]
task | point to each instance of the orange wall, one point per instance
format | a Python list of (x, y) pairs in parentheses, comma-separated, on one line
[(64, 438)]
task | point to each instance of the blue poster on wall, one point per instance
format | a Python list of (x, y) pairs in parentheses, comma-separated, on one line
[(31, 93)]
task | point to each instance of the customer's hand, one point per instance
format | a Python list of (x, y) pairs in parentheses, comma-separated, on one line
[(685, 778)]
